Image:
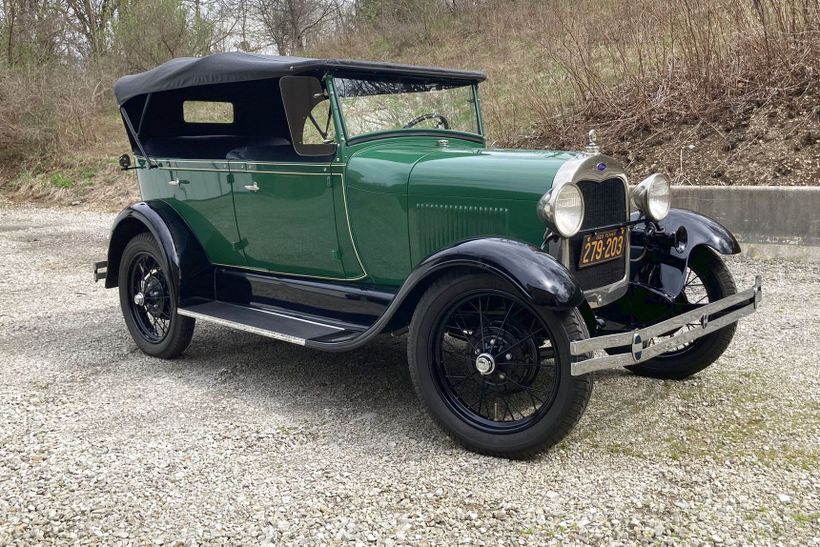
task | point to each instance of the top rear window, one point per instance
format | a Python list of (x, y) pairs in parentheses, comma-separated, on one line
[(207, 112)]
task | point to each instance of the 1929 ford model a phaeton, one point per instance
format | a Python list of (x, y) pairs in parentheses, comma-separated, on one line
[(324, 202)]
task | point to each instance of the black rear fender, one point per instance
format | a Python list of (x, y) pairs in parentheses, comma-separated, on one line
[(182, 255)]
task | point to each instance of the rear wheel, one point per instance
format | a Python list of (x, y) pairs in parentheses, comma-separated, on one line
[(707, 280), (494, 371), (148, 301)]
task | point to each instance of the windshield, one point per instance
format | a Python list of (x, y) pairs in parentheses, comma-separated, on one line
[(370, 106)]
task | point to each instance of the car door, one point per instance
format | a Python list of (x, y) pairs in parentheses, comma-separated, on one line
[(286, 217)]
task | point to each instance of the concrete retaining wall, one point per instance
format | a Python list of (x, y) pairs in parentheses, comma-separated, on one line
[(770, 221)]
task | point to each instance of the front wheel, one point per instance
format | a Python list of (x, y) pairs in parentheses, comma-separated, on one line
[(492, 370), (148, 301), (707, 280)]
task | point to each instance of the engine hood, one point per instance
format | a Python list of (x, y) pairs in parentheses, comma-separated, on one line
[(488, 173)]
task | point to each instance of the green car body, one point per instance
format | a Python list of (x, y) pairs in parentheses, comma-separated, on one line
[(373, 215), (370, 215), (532, 268)]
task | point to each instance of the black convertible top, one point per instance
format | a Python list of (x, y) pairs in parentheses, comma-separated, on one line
[(221, 68)]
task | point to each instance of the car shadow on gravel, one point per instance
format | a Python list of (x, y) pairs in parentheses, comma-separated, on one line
[(371, 384)]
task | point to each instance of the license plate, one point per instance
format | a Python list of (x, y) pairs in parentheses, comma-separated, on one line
[(601, 247)]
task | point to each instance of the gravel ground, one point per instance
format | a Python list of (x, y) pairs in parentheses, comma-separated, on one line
[(245, 440)]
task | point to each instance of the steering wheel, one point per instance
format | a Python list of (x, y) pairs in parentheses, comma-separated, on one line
[(442, 121)]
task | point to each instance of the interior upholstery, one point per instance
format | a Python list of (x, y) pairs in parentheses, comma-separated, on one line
[(212, 146)]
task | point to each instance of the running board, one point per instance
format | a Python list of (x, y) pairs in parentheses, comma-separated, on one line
[(269, 323)]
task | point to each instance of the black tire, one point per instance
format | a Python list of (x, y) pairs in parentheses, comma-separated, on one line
[(682, 363), (542, 347), (154, 324)]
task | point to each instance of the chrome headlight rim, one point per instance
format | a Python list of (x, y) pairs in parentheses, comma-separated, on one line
[(645, 196), (549, 209)]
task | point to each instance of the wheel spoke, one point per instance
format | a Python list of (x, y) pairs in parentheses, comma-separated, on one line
[(481, 322), (467, 377), (153, 316), (518, 343), (508, 394)]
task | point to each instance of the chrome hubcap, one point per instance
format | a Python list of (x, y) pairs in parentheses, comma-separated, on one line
[(139, 299), (485, 364)]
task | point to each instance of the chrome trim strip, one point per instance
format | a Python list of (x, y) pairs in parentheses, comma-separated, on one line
[(208, 170), (752, 295), (584, 167), (240, 326), (223, 160), (300, 173)]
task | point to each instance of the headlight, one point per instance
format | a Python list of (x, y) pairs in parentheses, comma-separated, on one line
[(563, 209), (653, 196)]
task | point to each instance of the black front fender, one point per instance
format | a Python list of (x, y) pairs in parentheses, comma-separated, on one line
[(182, 255), (665, 254), (537, 275)]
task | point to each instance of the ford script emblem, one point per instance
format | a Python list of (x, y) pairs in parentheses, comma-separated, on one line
[(601, 166)]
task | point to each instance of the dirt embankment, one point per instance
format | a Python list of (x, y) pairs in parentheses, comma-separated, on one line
[(771, 144)]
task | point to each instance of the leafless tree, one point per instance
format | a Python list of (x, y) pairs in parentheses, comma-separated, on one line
[(32, 31), (93, 19), (290, 24)]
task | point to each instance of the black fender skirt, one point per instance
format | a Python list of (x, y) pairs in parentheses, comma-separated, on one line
[(665, 253), (183, 256)]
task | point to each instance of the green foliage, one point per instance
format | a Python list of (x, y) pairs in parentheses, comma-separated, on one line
[(60, 180)]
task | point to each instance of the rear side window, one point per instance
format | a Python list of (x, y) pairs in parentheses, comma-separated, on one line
[(207, 112)]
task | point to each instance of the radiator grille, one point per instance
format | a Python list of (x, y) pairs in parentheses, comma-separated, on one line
[(605, 205)]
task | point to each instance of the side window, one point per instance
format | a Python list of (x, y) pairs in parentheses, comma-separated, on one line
[(207, 112), (309, 118)]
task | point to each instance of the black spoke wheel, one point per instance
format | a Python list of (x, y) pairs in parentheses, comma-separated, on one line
[(494, 361), (707, 280), (148, 300), (493, 370), (149, 297)]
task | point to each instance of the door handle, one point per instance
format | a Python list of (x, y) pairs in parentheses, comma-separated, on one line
[(252, 187), (174, 182)]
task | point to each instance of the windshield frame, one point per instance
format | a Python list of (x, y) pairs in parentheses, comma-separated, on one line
[(341, 128)]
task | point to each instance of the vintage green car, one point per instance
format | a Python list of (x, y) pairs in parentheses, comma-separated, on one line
[(325, 202)]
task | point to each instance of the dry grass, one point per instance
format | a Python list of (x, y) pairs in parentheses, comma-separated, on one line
[(60, 136)]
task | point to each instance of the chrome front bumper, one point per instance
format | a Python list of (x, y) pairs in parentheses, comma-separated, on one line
[(641, 342)]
